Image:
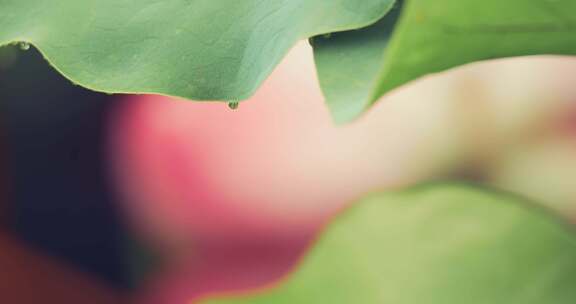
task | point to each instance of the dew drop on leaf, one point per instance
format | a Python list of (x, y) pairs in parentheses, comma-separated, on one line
[(24, 45), (233, 105), (311, 41)]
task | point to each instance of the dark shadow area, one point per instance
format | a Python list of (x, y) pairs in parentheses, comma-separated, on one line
[(53, 140)]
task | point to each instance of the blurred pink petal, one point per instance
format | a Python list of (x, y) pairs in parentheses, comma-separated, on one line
[(231, 198)]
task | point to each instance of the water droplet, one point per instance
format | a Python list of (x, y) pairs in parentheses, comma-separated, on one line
[(233, 105), (24, 45), (311, 41)]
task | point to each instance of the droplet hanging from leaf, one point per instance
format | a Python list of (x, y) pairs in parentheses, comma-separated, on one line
[(24, 45), (233, 105)]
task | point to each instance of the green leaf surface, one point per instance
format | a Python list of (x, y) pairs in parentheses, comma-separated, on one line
[(197, 49), (440, 244), (433, 36), (349, 63)]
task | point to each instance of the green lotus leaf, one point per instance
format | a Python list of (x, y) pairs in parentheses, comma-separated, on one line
[(197, 49), (359, 67), (440, 244)]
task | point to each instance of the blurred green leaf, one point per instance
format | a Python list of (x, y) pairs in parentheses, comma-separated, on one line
[(432, 36), (197, 49), (441, 244)]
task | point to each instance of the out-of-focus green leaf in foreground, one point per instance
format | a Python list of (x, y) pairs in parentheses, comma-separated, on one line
[(197, 49), (441, 244), (358, 67)]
